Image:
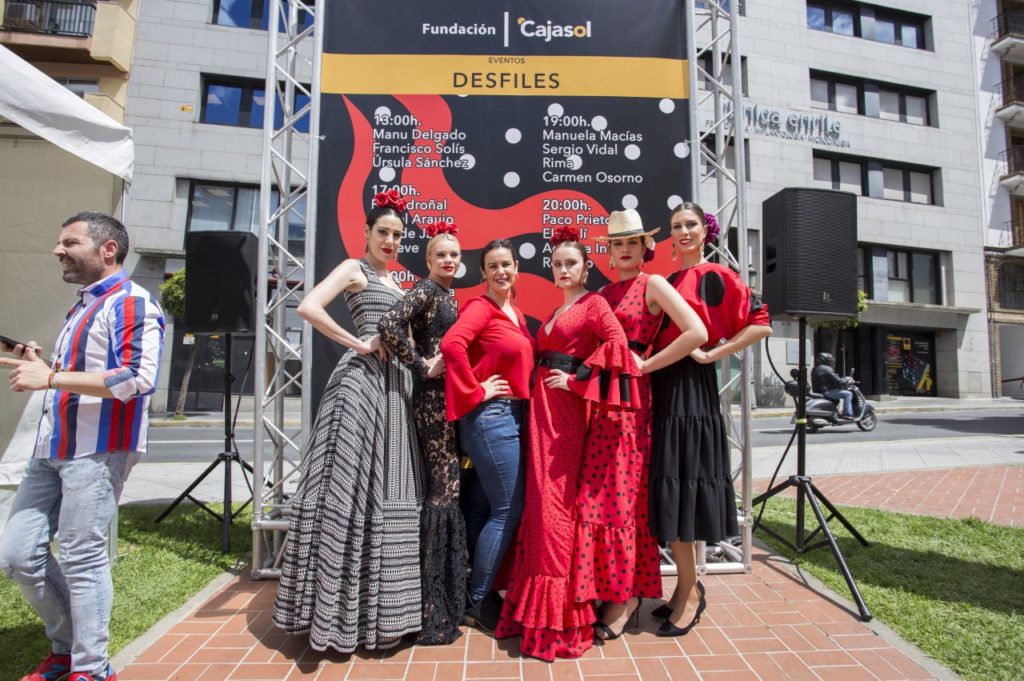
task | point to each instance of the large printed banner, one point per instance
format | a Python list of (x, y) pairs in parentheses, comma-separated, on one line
[(508, 119)]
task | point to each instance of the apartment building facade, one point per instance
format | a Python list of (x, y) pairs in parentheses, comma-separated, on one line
[(879, 100), (999, 59)]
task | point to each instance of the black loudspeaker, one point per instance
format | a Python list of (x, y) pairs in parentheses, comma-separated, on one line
[(810, 253), (220, 282)]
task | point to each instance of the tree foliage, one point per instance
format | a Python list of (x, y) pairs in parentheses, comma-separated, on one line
[(172, 295)]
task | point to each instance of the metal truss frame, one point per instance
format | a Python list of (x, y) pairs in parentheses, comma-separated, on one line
[(281, 365), (715, 24)]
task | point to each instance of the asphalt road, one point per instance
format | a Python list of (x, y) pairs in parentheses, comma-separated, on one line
[(197, 444)]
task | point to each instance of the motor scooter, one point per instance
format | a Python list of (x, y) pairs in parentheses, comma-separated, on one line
[(821, 411)]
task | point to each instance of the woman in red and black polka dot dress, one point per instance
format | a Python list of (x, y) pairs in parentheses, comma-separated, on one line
[(617, 555), (584, 366)]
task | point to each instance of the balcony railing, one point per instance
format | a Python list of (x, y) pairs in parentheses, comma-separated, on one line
[(1013, 235), (50, 16), (1012, 90), (1014, 160), (1009, 23)]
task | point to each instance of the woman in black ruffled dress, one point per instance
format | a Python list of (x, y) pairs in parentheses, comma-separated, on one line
[(427, 311)]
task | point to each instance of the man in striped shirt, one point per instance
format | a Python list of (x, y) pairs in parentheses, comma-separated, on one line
[(93, 429)]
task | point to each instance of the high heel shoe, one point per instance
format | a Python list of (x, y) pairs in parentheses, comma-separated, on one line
[(662, 611), (606, 633), (669, 629)]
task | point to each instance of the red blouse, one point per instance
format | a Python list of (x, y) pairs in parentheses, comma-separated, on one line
[(720, 298), (481, 343)]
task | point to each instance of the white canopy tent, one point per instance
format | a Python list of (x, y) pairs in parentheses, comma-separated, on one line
[(46, 108)]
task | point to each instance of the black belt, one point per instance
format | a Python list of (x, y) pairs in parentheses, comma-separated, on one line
[(638, 346), (559, 360)]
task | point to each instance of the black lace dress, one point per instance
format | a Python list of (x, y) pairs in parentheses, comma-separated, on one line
[(428, 310)]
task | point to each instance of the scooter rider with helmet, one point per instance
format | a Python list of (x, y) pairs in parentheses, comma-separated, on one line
[(826, 381)]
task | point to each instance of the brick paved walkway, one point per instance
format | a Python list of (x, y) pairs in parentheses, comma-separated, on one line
[(766, 626), (992, 493)]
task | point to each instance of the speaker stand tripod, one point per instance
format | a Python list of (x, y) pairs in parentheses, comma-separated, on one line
[(806, 491), (225, 458)]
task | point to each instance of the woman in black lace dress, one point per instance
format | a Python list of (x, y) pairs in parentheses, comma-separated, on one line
[(427, 311)]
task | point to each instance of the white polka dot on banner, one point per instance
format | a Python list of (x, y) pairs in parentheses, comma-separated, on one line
[(667, 106), (681, 150), (632, 152), (386, 174), (511, 179), (527, 251), (382, 112), (469, 160), (576, 161), (463, 94), (629, 201), (512, 135), (555, 110), (461, 272), (599, 123), (674, 201)]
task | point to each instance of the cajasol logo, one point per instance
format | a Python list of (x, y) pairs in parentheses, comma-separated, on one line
[(548, 30)]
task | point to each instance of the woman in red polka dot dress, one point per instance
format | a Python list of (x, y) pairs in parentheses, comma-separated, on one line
[(616, 552), (584, 365)]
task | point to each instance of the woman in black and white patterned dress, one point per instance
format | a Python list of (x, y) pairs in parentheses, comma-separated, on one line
[(351, 570), (426, 313)]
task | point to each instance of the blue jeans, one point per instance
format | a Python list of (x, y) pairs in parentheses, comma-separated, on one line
[(490, 437), (845, 395), (72, 597)]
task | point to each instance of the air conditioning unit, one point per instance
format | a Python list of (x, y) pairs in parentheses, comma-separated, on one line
[(22, 15)]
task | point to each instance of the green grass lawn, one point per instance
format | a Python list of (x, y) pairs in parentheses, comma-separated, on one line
[(159, 569), (953, 588)]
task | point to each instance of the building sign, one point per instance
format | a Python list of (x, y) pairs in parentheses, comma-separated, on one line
[(816, 128)]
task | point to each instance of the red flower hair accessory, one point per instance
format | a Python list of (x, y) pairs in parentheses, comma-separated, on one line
[(432, 229), (390, 199), (565, 233)]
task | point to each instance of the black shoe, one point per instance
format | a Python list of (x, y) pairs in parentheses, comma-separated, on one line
[(603, 632), (662, 611), (669, 629), (485, 614)]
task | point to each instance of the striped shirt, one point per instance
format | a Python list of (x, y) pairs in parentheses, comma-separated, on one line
[(116, 328)]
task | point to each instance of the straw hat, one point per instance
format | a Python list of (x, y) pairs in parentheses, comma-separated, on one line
[(623, 224)]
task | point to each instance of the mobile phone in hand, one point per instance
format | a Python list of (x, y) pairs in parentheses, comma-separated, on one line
[(10, 342)]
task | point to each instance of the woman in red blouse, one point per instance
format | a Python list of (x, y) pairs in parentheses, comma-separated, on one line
[(691, 491), (488, 356)]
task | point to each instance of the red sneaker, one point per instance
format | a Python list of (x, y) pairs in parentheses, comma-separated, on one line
[(111, 675), (53, 668)]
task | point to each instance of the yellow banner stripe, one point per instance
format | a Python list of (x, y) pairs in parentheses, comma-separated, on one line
[(456, 74)]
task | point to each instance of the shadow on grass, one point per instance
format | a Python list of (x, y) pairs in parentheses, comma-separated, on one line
[(919, 555), (188, 531)]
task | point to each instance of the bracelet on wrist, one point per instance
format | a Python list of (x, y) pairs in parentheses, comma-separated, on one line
[(51, 382)]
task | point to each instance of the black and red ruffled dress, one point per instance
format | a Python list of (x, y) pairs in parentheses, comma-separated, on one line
[(692, 496), (588, 343)]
